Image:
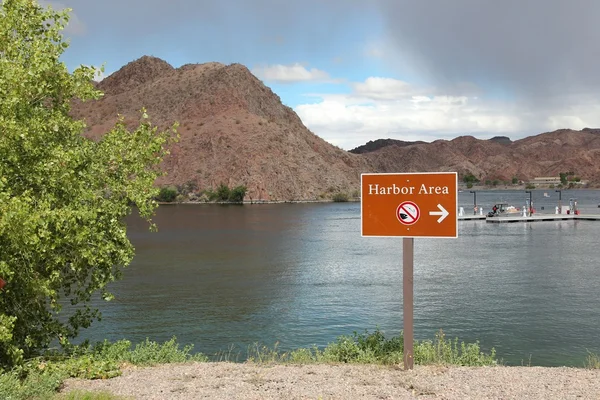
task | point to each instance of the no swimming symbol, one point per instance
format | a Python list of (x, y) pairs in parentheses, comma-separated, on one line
[(408, 213)]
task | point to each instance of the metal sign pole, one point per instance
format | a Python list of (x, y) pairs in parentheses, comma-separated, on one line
[(407, 295)]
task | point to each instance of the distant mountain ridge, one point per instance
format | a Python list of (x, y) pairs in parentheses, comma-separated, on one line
[(235, 130), (547, 154)]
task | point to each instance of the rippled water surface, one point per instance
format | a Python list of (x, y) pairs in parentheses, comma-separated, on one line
[(301, 274)]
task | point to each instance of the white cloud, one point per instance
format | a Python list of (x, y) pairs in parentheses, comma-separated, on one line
[(290, 73), (380, 108), (378, 88)]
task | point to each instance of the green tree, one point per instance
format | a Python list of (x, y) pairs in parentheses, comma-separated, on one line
[(63, 197), (515, 180), (563, 178)]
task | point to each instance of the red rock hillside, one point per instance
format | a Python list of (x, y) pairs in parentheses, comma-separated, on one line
[(234, 130)]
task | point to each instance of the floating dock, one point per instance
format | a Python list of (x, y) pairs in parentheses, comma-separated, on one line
[(533, 218), (471, 217)]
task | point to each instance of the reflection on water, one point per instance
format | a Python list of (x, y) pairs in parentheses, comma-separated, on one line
[(300, 274)]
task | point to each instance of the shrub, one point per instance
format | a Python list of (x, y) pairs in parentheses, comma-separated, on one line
[(470, 178), (211, 195), (340, 197), (223, 192), (167, 194), (237, 194)]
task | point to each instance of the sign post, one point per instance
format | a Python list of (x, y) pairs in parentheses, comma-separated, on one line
[(409, 205), (408, 247)]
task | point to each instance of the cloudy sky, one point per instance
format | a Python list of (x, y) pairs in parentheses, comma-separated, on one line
[(359, 70)]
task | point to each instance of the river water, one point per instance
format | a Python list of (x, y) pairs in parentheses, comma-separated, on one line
[(301, 275)]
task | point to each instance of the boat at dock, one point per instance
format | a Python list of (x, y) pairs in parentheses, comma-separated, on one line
[(503, 209)]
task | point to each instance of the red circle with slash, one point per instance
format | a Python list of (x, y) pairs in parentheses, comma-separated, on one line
[(408, 213)]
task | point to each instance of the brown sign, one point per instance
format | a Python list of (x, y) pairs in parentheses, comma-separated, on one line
[(409, 204)]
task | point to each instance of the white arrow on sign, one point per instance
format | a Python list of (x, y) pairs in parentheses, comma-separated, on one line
[(442, 213)]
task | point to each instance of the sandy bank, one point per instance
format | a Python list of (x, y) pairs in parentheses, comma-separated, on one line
[(250, 381)]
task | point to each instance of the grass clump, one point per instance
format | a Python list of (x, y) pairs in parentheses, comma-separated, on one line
[(592, 361), (375, 348), (40, 378), (36, 384), (451, 352), (146, 353)]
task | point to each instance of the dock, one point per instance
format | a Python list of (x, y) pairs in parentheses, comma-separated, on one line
[(533, 218), (471, 217)]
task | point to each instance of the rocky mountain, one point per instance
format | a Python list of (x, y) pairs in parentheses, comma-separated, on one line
[(547, 154), (235, 130)]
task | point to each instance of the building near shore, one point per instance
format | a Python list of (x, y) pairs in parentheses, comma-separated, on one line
[(546, 181)]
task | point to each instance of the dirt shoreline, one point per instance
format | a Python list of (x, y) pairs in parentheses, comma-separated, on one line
[(325, 381)]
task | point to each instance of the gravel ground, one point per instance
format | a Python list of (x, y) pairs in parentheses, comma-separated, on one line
[(322, 381)]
